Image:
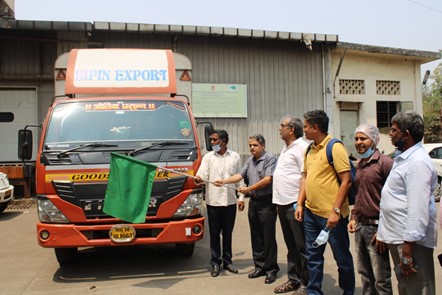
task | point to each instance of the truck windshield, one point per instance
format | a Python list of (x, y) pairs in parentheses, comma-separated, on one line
[(130, 124)]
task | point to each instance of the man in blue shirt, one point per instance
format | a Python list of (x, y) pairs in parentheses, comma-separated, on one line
[(407, 220)]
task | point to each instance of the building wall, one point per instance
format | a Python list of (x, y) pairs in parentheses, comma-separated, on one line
[(283, 77), (371, 68)]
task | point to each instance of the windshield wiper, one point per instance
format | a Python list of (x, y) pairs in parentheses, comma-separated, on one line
[(89, 145), (162, 143)]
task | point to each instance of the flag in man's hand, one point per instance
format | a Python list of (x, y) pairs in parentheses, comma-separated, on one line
[(129, 188)]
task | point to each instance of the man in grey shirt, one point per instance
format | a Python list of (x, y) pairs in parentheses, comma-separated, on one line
[(257, 173)]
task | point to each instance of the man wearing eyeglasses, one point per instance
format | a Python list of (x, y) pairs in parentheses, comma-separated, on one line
[(286, 184)]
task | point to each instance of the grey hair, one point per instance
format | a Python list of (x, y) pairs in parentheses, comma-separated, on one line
[(259, 138), (296, 124), (411, 121)]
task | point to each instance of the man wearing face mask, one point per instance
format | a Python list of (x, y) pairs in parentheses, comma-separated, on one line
[(373, 262), (407, 222), (221, 201)]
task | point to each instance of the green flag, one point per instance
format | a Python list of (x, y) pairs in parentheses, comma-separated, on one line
[(129, 188)]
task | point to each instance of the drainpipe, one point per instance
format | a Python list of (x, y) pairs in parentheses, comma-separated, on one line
[(337, 72)]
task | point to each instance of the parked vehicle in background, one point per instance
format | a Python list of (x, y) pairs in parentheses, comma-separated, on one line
[(6, 192), (435, 152)]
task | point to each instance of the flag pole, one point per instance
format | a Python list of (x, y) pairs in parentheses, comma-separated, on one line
[(193, 177)]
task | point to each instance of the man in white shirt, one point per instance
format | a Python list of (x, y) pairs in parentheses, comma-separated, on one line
[(286, 183), (221, 201), (407, 211)]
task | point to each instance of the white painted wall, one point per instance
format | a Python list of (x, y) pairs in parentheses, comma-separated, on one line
[(370, 68)]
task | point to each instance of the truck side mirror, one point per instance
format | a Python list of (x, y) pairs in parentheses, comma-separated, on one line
[(25, 143), (207, 131)]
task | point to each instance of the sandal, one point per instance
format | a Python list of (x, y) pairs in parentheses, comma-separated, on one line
[(288, 286)]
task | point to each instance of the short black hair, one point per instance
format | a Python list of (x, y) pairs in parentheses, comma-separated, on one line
[(318, 118), (223, 135)]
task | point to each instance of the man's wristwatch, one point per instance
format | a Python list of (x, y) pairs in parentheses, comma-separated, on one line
[(406, 261), (337, 210)]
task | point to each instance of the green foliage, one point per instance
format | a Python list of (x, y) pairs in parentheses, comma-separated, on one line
[(432, 106)]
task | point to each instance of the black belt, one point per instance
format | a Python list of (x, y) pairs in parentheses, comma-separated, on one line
[(368, 221), (253, 195)]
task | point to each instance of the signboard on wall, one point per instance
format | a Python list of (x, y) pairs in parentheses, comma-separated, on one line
[(219, 100)]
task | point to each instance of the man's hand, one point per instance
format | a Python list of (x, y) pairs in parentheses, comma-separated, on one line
[(381, 247), (244, 190), (407, 251), (299, 213), (218, 182), (198, 180), (240, 205), (333, 219), (351, 227)]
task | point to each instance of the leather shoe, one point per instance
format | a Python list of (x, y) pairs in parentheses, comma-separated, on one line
[(231, 268), (215, 270), (257, 273), (288, 286), (270, 277)]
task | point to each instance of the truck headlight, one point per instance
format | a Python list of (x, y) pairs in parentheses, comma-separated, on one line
[(191, 206), (48, 212)]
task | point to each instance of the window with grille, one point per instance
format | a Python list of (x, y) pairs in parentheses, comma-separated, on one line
[(385, 110), (388, 87), (351, 86)]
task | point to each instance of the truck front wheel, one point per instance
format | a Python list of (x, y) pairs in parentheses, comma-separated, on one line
[(3, 206), (185, 249), (65, 255)]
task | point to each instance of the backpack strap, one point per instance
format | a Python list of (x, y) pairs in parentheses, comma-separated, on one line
[(308, 149), (329, 149)]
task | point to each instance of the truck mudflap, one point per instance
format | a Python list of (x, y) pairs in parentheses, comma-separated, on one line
[(71, 235)]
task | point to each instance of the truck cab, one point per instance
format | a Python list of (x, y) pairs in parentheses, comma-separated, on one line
[(134, 102)]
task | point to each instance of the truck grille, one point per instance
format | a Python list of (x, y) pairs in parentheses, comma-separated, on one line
[(90, 196)]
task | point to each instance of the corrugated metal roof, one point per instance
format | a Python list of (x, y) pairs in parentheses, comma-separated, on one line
[(166, 29), (213, 31)]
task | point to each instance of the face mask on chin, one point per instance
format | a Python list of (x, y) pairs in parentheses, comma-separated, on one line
[(216, 148), (400, 144), (367, 153)]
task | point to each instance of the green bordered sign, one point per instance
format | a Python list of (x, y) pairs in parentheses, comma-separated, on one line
[(219, 100)]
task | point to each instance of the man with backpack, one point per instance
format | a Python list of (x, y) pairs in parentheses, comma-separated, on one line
[(323, 205)]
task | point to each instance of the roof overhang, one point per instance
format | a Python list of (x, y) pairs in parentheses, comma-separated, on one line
[(390, 52)]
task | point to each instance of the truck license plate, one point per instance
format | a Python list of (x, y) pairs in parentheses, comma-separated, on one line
[(122, 233)]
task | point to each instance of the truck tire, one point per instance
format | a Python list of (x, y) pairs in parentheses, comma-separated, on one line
[(3, 206), (185, 250), (65, 255)]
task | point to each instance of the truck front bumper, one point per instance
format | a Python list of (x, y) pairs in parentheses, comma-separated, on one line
[(71, 235)]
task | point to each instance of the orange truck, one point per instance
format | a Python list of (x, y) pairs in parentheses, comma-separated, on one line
[(130, 101)]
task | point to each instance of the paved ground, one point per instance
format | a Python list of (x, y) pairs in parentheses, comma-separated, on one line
[(27, 268)]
